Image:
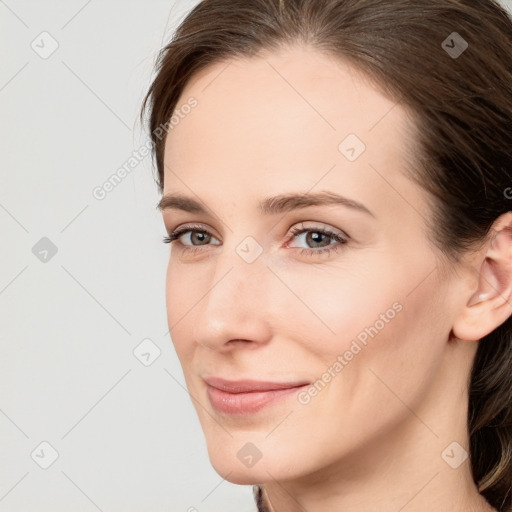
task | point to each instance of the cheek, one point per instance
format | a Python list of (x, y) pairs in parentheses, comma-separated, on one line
[(379, 316), (341, 303), (184, 287), (180, 299), (392, 349)]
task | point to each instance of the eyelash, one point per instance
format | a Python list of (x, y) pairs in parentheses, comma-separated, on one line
[(295, 231)]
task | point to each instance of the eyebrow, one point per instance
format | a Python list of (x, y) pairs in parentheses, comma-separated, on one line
[(270, 205)]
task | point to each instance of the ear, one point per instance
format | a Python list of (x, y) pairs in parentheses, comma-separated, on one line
[(489, 305)]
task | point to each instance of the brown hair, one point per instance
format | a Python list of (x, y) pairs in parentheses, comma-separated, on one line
[(461, 97)]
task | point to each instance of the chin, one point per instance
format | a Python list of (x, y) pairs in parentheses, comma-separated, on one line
[(233, 462), (232, 470)]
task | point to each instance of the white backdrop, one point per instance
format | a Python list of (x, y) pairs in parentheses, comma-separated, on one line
[(93, 410)]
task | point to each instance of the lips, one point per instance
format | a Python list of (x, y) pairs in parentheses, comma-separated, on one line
[(247, 396), (247, 385)]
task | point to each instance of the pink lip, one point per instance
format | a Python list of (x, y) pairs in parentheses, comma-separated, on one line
[(247, 396)]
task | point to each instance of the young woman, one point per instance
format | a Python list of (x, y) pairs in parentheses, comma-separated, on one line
[(337, 188)]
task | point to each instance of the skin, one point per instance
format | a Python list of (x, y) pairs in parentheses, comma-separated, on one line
[(372, 439)]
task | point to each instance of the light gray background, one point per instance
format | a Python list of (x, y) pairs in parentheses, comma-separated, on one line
[(126, 434)]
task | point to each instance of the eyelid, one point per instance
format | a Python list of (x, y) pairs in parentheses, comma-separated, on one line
[(191, 227), (320, 229)]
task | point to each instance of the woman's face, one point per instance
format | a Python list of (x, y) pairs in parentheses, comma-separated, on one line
[(365, 320)]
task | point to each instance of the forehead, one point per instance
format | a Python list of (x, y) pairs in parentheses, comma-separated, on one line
[(285, 117)]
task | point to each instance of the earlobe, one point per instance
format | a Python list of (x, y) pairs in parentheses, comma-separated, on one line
[(491, 303)]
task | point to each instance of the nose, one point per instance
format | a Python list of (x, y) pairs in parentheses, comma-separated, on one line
[(237, 305)]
